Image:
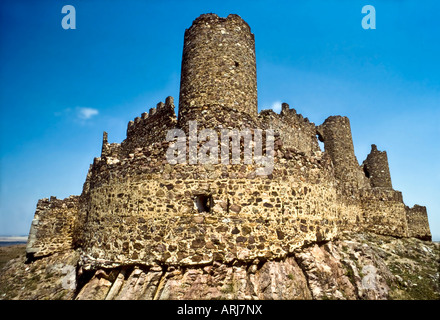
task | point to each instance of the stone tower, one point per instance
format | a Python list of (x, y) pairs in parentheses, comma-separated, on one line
[(376, 168), (338, 142), (218, 66)]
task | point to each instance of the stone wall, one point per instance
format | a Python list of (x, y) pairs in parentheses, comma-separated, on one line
[(186, 215), (376, 168), (153, 216), (52, 226), (142, 210), (418, 225), (150, 128), (218, 65), (295, 131), (217, 117), (384, 212)]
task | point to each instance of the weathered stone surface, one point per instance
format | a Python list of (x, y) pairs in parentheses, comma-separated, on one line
[(52, 227), (221, 51), (376, 168), (95, 289), (53, 277), (418, 225), (325, 273)]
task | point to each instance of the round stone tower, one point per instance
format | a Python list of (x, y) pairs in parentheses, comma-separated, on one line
[(218, 66), (338, 142)]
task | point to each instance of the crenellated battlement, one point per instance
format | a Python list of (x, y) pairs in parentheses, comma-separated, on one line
[(295, 131), (150, 127), (148, 118)]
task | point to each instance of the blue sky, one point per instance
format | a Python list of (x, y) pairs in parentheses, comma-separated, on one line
[(60, 89)]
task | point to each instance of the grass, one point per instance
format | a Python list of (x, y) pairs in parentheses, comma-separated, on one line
[(231, 288), (417, 282), (350, 274)]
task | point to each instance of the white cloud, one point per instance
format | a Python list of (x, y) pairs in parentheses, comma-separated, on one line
[(87, 113), (276, 106)]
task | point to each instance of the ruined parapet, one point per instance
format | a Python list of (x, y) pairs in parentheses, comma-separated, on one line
[(383, 212), (218, 66), (338, 142), (295, 131), (150, 127), (52, 226), (109, 150), (376, 168), (418, 225)]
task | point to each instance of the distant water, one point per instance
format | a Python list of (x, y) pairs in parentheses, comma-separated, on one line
[(11, 243)]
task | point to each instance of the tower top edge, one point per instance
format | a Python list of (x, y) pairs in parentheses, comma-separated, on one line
[(212, 18)]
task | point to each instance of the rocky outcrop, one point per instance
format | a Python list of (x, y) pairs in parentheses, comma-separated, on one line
[(355, 266), (53, 277), (269, 280)]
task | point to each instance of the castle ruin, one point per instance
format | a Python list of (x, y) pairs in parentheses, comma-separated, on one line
[(138, 209)]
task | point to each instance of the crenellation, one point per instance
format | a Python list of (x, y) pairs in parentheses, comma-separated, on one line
[(147, 130), (104, 138), (105, 144), (267, 113), (169, 102), (295, 131)]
